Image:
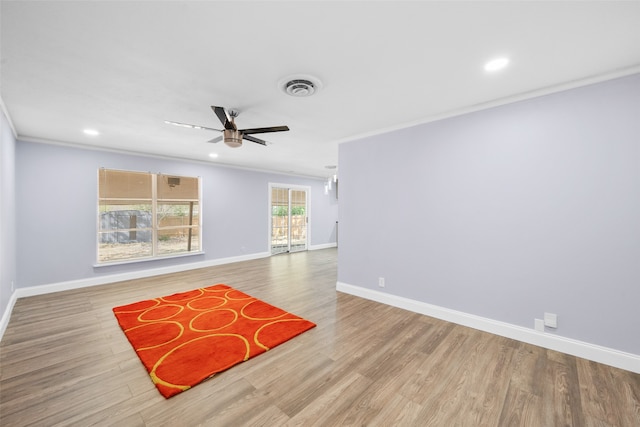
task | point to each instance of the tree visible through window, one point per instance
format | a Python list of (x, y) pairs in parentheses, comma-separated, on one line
[(146, 215)]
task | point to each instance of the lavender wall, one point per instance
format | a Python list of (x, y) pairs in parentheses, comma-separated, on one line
[(7, 213), (506, 213), (56, 204)]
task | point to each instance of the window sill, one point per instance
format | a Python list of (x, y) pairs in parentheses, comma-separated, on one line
[(138, 260)]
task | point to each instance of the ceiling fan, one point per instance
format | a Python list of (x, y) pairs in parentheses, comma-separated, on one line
[(231, 135)]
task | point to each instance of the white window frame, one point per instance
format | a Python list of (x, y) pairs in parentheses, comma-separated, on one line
[(305, 188), (155, 229)]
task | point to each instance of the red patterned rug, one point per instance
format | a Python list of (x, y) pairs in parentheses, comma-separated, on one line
[(185, 338)]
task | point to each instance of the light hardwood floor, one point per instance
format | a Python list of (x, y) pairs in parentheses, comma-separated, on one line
[(65, 361)]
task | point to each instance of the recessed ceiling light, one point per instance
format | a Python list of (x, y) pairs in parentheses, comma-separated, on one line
[(213, 155), (91, 132), (496, 64)]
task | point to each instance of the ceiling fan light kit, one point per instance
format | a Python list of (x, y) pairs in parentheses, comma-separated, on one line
[(231, 135), (232, 138)]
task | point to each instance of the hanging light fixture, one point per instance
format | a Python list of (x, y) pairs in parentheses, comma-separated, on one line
[(334, 178)]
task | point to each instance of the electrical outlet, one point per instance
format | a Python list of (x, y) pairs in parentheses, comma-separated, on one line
[(13, 286), (551, 320), (539, 325), (381, 282)]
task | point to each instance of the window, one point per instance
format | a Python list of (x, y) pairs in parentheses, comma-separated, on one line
[(146, 215)]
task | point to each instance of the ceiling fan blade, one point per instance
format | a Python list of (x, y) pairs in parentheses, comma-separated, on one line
[(187, 125), (265, 130), (216, 139), (254, 139), (224, 118)]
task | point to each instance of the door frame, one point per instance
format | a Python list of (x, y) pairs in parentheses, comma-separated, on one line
[(307, 190)]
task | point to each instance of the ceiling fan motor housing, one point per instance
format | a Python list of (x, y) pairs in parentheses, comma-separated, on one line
[(232, 138)]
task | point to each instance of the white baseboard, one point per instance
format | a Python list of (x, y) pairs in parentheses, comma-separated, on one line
[(111, 278), (323, 246), (596, 353), (4, 321)]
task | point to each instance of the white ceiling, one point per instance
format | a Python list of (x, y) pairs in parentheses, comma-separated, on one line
[(124, 67)]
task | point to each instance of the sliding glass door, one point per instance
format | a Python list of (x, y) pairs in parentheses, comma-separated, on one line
[(289, 221)]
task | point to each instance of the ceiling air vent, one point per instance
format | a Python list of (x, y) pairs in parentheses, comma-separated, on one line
[(300, 85), (300, 88)]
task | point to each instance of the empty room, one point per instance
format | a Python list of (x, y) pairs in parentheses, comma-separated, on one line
[(332, 213)]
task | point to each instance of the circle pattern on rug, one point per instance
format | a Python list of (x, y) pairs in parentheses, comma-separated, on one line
[(185, 338)]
